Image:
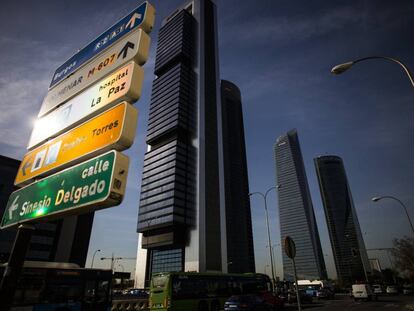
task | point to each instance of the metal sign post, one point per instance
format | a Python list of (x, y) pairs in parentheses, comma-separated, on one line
[(290, 250)]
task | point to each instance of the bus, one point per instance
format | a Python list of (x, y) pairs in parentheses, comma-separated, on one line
[(49, 286), (202, 291)]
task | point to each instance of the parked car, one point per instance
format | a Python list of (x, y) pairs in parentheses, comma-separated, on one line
[(246, 303), (407, 290), (392, 290), (363, 292), (377, 289)]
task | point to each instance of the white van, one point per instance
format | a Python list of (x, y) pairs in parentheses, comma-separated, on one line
[(363, 292)]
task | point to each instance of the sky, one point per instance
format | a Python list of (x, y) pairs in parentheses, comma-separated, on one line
[(280, 54)]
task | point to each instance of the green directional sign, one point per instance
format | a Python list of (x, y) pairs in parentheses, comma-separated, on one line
[(89, 186)]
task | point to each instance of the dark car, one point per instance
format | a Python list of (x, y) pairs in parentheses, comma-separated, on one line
[(246, 302), (275, 302), (138, 292), (304, 298)]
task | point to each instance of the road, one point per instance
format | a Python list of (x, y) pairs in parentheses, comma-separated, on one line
[(395, 303)]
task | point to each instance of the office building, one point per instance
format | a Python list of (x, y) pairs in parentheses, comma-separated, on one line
[(182, 221), (351, 260), (240, 252), (60, 241), (296, 214)]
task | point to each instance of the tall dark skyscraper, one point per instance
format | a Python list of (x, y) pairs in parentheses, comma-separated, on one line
[(344, 231), (65, 240), (182, 211), (297, 218), (240, 253)]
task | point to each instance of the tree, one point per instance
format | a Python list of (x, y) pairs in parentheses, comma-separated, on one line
[(403, 253)]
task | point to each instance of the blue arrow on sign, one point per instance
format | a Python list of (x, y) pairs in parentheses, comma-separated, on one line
[(117, 31)]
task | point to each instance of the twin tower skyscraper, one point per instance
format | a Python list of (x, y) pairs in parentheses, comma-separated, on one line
[(297, 217), (194, 190)]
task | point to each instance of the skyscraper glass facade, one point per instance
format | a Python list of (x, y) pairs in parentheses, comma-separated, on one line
[(344, 231), (183, 196), (297, 218)]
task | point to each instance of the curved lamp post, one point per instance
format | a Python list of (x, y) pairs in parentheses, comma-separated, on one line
[(93, 257), (338, 69), (376, 199), (268, 230)]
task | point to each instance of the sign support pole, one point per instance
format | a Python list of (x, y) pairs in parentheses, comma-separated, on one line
[(296, 285), (15, 265)]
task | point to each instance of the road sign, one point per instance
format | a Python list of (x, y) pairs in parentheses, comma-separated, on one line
[(89, 186), (142, 17), (123, 84), (134, 46), (290, 248), (112, 129)]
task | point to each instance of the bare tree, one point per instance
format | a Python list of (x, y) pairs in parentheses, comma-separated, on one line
[(403, 253)]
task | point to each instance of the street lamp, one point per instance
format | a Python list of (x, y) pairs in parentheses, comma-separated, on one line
[(338, 69), (274, 256), (93, 257), (268, 230), (376, 199)]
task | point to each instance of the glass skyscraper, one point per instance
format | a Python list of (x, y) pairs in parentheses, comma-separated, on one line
[(297, 218), (183, 223), (344, 231)]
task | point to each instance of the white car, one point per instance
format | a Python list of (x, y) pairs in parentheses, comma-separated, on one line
[(392, 290), (363, 292)]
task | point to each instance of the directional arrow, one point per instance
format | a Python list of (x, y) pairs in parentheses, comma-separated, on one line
[(26, 166), (13, 207), (124, 50), (131, 22)]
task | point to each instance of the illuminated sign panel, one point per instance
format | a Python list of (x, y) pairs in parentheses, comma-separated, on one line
[(86, 187), (113, 129), (142, 17), (134, 46), (123, 85)]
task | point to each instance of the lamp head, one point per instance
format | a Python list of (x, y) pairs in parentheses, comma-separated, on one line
[(338, 69)]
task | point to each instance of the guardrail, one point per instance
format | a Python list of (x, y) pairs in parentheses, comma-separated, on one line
[(129, 304)]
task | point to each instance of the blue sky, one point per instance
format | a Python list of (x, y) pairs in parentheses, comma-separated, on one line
[(279, 53)]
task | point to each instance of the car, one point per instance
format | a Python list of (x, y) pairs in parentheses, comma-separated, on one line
[(363, 292), (327, 293), (246, 303), (392, 290), (377, 289), (273, 300), (304, 298), (407, 290), (138, 292)]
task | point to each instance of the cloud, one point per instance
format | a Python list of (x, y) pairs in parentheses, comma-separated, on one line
[(295, 27)]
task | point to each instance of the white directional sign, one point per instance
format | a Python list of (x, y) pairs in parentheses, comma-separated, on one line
[(134, 46), (123, 84)]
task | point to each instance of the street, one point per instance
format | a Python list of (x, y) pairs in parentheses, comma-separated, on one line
[(346, 303)]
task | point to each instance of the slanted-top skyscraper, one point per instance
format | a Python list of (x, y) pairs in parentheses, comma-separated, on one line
[(240, 253), (183, 221), (344, 231), (297, 218)]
